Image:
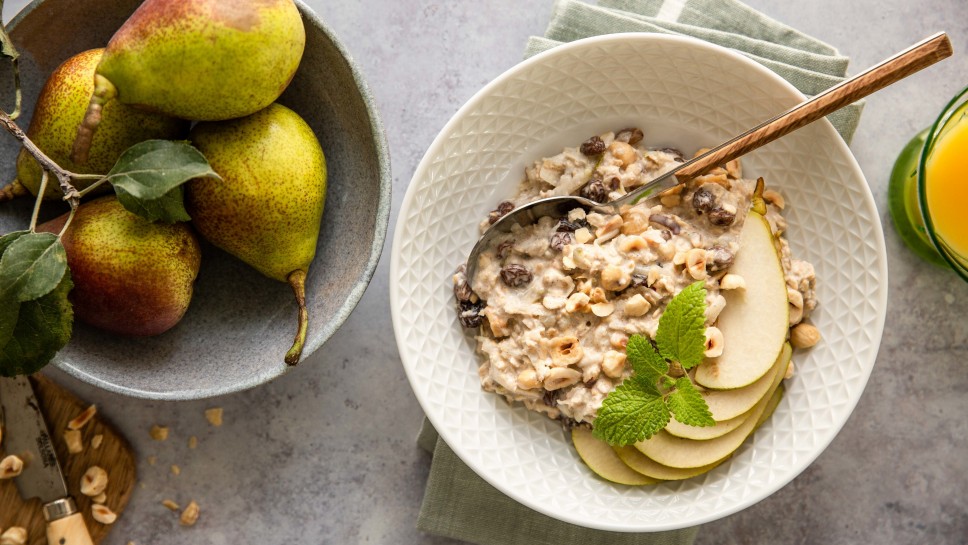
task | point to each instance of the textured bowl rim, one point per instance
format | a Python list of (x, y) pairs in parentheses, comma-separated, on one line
[(453, 441), (380, 226)]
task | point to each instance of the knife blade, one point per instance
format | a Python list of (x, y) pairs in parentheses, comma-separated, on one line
[(26, 435)]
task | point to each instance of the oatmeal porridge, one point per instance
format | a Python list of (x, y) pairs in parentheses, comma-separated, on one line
[(554, 303)]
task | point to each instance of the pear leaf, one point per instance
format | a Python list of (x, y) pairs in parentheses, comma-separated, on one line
[(7, 240), (32, 265), (43, 328), (9, 311), (151, 170), (169, 208)]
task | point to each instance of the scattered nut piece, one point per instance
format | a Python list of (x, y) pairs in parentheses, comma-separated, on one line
[(171, 505), (565, 351), (696, 263), (528, 379), (175, 470), (790, 371), (561, 377), (94, 481), (190, 514), (636, 306), (714, 342), (15, 535), (74, 442), (96, 441), (214, 416), (100, 498), (603, 309), (583, 235), (103, 514), (804, 335), (192, 442), (159, 433), (732, 281), (82, 419), (613, 364), (11, 466), (152, 460)]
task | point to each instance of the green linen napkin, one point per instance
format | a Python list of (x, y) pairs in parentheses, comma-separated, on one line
[(457, 502)]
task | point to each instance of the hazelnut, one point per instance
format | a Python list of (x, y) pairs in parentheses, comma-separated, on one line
[(82, 419), (804, 335), (159, 433), (190, 514), (11, 466), (170, 505), (15, 535), (94, 481), (103, 514), (73, 440), (714, 342)]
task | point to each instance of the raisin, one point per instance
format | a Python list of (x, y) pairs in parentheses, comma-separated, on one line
[(502, 209), (469, 314), (565, 226), (677, 155), (721, 217), (667, 222), (592, 146), (632, 135), (594, 190), (638, 280), (718, 258), (703, 200), (550, 397), (504, 248), (561, 239), (515, 275)]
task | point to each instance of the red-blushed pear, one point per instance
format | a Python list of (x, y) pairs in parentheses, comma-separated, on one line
[(755, 321), (60, 108), (600, 458), (267, 206), (203, 60), (131, 276)]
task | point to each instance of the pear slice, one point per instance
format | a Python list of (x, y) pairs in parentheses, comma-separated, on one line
[(770, 406), (755, 320), (728, 404), (705, 433), (601, 459), (650, 468), (672, 451)]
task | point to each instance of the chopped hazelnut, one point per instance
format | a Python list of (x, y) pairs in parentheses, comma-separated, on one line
[(214, 416), (11, 466), (82, 419), (74, 442), (159, 433), (15, 535), (100, 498), (192, 442), (170, 505), (175, 470), (190, 514), (96, 441), (94, 481), (103, 514)]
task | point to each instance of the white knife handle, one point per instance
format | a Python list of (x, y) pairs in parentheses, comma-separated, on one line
[(65, 525), (69, 530)]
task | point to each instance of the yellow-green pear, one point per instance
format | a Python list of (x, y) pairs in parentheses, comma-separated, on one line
[(203, 60), (60, 108), (267, 207)]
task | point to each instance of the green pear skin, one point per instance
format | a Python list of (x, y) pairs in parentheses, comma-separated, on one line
[(203, 60), (131, 277), (61, 107), (267, 207)]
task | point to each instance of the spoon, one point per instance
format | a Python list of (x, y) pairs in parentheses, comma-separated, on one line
[(907, 62)]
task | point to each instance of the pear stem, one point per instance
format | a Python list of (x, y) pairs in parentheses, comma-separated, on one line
[(104, 92), (43, 189), (297, 279)]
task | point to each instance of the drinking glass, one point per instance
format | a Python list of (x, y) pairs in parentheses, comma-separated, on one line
[(928, 191)]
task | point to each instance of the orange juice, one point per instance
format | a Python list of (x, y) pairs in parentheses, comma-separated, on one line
[(946, 185)]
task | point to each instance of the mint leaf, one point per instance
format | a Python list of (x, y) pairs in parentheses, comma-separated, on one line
[(682, 328), (32, 265), (43, 328), (647, 365), (146, 175), (630, 414), (688, 405)]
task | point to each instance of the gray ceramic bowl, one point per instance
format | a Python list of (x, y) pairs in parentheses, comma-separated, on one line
[(239, 324)]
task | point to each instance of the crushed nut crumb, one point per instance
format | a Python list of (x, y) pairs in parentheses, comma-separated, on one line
[(192, 442), (100, 498), (152, 460), (175, 470), (190, 514), (159, 433), (171, 505), (15, 535), (96, 441), (82, 419), (214, 416)]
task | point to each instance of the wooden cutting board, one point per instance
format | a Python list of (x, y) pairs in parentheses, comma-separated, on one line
[(114, 455)]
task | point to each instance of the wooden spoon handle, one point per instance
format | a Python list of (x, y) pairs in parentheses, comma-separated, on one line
[(905, 63)]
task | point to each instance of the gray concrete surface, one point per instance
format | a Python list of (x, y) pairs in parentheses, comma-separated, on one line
[(323, 456)]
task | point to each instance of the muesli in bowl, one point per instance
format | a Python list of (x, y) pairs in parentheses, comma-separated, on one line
[(554, 304)]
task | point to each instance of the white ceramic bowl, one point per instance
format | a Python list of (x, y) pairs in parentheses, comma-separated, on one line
[(683, 93)]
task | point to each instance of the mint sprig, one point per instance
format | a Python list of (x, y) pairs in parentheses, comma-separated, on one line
[(643, 404)]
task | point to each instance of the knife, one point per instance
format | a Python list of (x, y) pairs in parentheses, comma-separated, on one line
[(25, 435)]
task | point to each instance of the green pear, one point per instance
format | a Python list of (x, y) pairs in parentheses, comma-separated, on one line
[(204, 60), (130, 276), (267, 206), (60, 108)]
